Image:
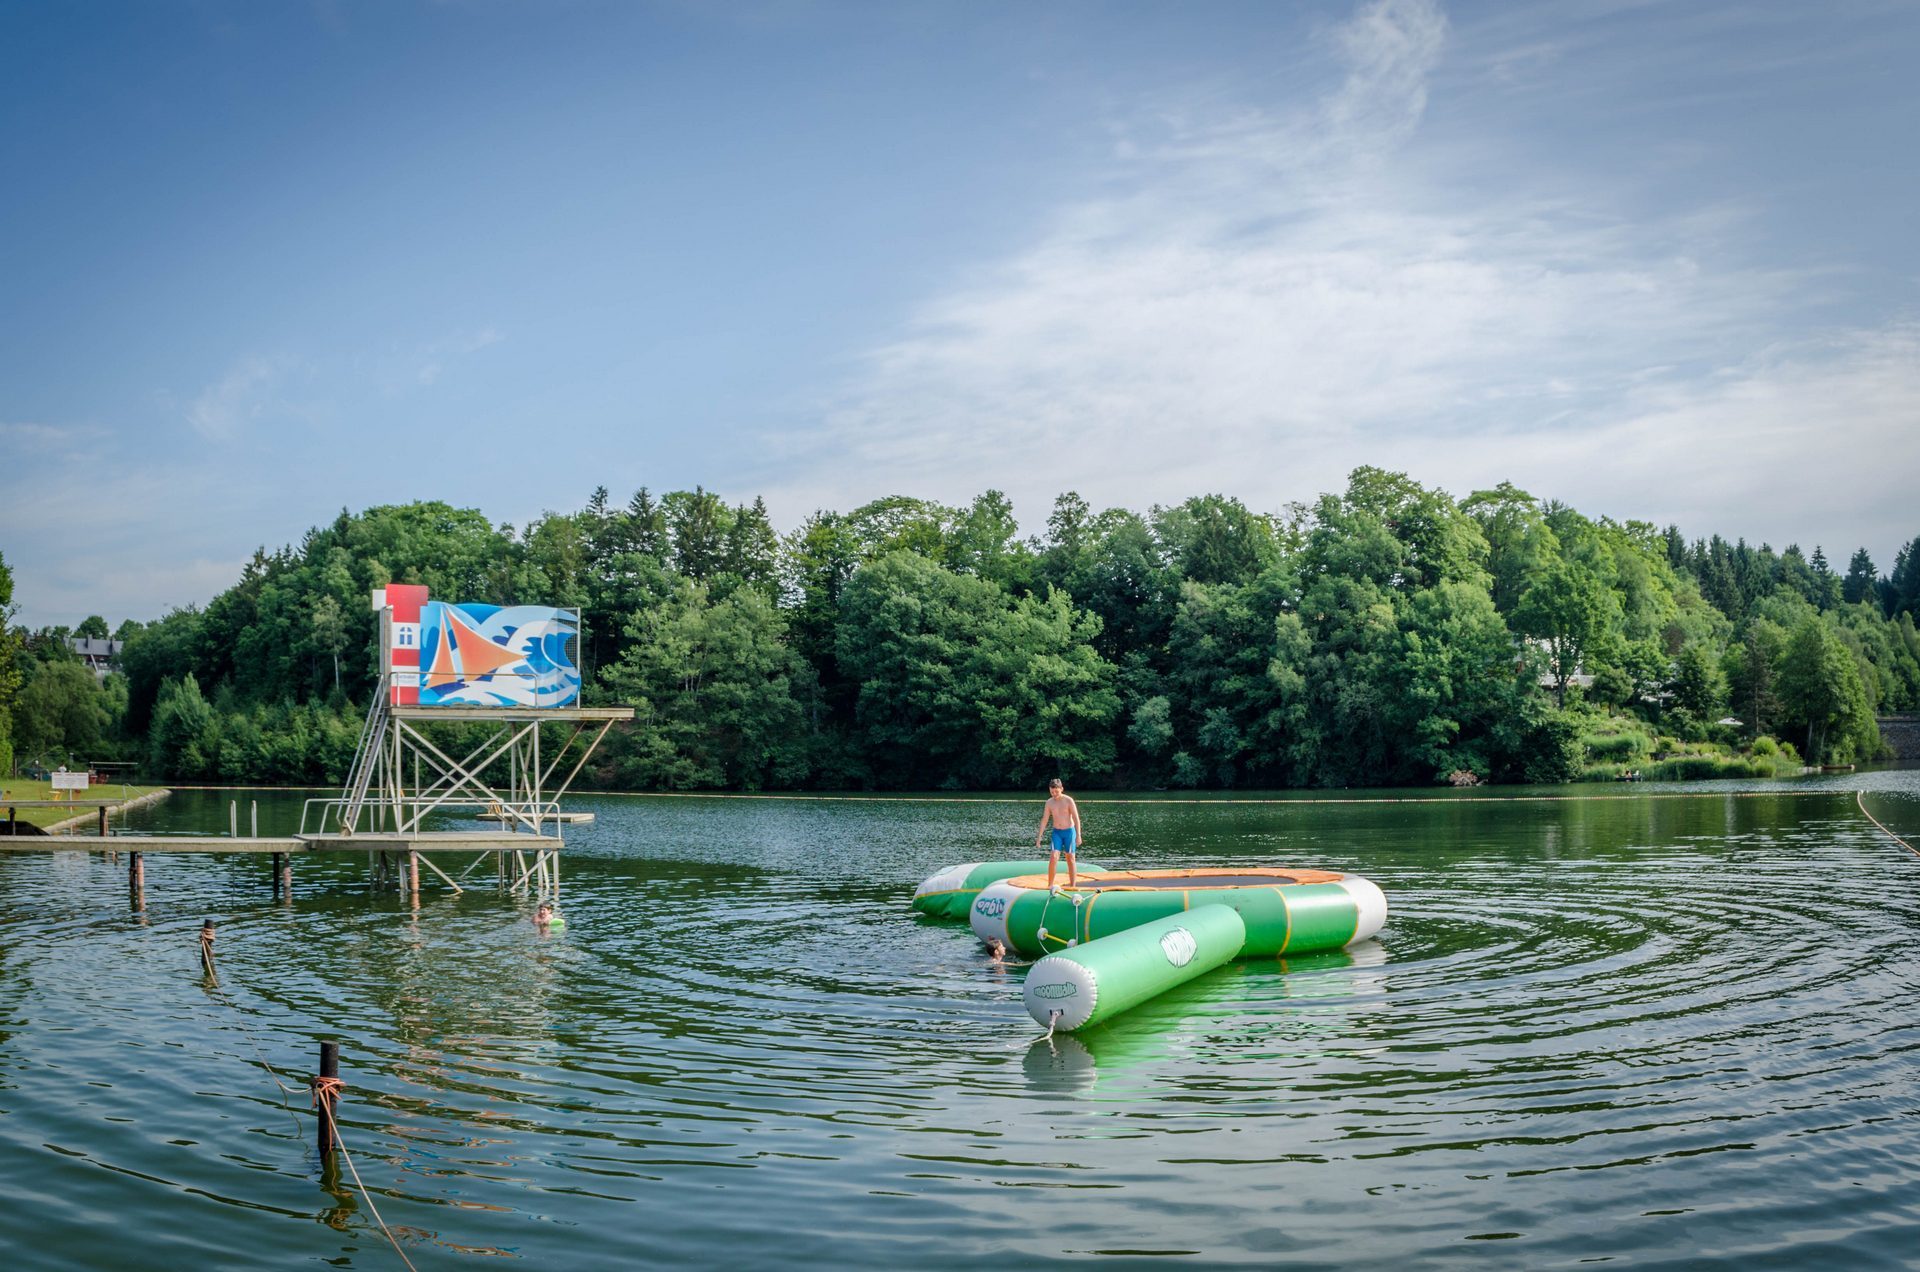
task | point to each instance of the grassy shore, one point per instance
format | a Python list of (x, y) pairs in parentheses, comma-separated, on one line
[(20, 788)]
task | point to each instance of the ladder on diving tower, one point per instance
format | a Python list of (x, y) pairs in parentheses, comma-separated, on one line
[(366, 762)]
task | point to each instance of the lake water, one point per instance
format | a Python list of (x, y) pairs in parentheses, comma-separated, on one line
[(1662, 1027)]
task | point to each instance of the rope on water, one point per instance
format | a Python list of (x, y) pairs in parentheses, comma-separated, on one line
[(325, 1092), (206, 953), (1857, 798), (239, 1017)]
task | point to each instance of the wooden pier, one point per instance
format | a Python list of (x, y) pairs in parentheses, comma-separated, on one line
[(426, 841)]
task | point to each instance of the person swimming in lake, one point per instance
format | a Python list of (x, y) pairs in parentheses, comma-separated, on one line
[(1062, 815), (546, 919)]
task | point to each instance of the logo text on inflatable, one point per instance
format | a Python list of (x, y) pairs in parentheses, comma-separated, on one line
[(990, 907), (1179, 947), (1055, 989)]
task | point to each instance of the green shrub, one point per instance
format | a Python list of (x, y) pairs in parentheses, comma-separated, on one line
[(1622, 748), (1699, 768), (1765, 747)]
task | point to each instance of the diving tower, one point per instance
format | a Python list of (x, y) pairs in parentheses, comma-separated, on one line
[(460, 755), (458, 730)]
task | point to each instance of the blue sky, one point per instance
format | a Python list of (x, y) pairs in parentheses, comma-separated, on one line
[(259, 262)]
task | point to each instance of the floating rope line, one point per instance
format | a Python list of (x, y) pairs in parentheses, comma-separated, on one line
[(1374, 799), (1857, 798), (1053, 1018), (325, 1092)]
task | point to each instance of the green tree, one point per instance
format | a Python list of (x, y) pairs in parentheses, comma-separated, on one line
[(184, 739), (1228, 723), (712, 686), (9, 666), (1749, 669), (92, 626), (1821, 693), (1859, 584), (958, 685), (1828, 590), (61, 712), (1518, 540), (327, 631), (1698, 687), (1566, 607), (1215, 539)]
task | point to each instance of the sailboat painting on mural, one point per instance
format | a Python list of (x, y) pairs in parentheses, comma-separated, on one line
[(497, 656)]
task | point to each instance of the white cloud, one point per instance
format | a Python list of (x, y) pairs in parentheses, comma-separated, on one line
[(435, 355), (234, 401), (134, 585), (28, 438), (1262, 302)]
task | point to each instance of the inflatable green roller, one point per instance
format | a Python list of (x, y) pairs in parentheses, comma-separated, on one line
[(1286, 911), (1089, 983)]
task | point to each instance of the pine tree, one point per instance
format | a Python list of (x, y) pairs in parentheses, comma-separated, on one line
[(1859, 583)]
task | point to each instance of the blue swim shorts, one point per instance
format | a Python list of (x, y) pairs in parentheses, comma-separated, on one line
[(1064, 841)]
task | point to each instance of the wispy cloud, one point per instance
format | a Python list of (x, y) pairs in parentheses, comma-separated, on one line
[(28, 438), (1263, 299), (244, 394), (434, 357)]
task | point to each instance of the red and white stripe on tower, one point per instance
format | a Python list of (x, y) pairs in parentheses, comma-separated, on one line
[(406, 601)]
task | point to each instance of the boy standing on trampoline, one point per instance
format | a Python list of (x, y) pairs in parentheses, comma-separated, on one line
[(1063, 815)]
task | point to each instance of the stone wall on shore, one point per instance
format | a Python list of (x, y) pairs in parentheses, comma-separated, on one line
[(1902, 733)]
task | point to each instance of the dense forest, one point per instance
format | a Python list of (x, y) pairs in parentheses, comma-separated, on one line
[(1387, 635)]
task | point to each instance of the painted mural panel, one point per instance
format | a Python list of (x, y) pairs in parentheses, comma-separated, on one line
[(497, 656)]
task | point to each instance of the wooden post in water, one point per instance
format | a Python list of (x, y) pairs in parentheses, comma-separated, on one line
[(103, 821), (413, 872), (286, 876), (256, 819), (233, 818), (326, 1095), (137, 880), (206, 950)]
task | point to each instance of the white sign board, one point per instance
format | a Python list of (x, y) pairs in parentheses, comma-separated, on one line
[(69, 781)]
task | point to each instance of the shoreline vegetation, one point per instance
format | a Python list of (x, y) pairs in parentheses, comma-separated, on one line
[(1387, 636)]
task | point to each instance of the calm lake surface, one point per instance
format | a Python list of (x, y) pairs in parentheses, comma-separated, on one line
[(1668, 1026)]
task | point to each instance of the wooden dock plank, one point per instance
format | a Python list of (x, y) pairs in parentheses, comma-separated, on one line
[(153, 845)]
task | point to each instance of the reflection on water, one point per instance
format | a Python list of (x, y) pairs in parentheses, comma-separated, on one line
[(1632, 1029)]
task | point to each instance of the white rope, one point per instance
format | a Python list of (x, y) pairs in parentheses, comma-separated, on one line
[(1053, 1018), (1876, 821)]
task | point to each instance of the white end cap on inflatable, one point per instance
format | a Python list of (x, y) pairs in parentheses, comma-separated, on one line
[(1370, 902), (1058, 983), (988, 915), (952, 879)]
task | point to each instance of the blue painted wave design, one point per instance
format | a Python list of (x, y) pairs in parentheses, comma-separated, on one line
[(542, 635)]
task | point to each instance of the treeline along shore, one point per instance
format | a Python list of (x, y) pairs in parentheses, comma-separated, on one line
[(1387, 635)]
